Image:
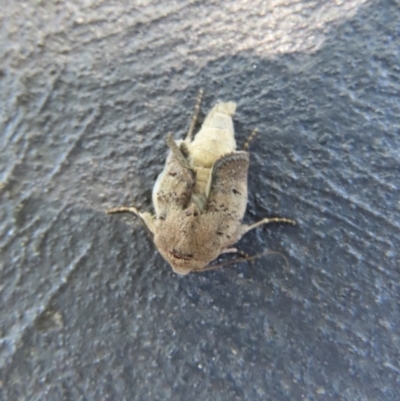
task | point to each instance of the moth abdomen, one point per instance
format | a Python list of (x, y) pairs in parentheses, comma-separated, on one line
[(216, 136)]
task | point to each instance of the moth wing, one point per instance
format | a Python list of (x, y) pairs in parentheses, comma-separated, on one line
[(174, 186), (228, 186)]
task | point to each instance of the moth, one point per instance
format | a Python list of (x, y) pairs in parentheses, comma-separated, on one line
[(200, 197)]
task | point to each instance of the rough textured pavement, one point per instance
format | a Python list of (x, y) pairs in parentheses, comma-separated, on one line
[(90, 310)]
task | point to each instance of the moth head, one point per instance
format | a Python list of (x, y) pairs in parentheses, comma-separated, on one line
[(184, 241), (183, 263)]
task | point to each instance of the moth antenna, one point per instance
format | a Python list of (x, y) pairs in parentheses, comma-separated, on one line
[(246, 258), (123, 209), (229, 262), (189, 136), (177, 152), (250, 139), (268, 220)]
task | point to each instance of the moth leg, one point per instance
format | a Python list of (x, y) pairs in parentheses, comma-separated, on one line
[(189, 136), (247, 228), (250, 139)]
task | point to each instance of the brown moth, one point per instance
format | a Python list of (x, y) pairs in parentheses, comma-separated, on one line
[(201, 195)]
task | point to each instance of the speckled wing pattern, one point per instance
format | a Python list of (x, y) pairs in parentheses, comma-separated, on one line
[(174, 185), (228, 190)]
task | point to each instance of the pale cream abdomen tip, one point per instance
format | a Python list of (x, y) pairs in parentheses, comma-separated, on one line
[(228, 108)]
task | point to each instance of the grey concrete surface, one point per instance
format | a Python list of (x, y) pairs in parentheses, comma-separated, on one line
[(90, 310)]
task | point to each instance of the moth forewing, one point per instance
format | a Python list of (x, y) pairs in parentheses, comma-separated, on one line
[(174, 186), (228, 185)]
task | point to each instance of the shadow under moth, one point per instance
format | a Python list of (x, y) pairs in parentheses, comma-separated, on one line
[(200, 197)]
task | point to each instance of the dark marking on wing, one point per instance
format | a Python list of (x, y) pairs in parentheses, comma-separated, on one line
[(177, 182), (228, 192)]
